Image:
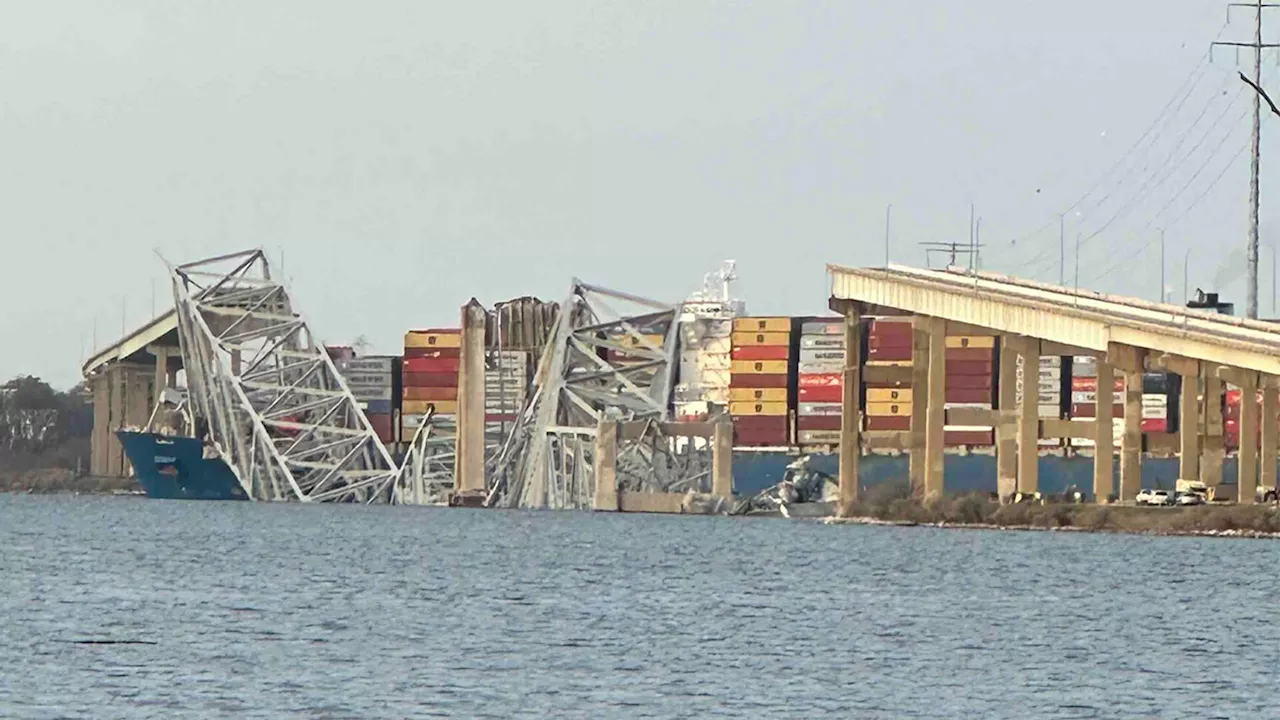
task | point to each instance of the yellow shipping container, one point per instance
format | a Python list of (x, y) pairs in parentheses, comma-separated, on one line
[(888, 409), (749, 395), (759, 367), (419, 407), (758, 408), (432, 340), (971, 341), (762, 324), (889, 395), (751, 339)]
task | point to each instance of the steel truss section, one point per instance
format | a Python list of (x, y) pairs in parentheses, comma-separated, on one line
[(426, 475), (601, 359), (266, 395), (655, 462)]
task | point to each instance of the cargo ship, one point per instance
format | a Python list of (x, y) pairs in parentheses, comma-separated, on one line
[(176, 468)]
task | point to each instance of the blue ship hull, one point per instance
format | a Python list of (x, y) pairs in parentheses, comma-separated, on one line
[(754, 471), (174, 468)]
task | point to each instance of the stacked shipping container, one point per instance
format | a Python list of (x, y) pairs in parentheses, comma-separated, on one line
[(430, 378), (1155, 403), (1084, 398), (1049, 389), (759, 381), (888, 344), (372, 382), (970, 371), (820, 381)]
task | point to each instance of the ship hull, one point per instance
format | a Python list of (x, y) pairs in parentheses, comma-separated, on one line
[(174, 468), (757, 470)]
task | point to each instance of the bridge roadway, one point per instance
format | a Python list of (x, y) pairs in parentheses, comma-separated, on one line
[(1127, 336)]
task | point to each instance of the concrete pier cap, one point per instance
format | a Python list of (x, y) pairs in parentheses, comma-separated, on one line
[(1127, 336)]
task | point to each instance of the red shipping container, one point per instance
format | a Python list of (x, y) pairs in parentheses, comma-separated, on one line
[(890, 353), (497, 418), (761, 438), (818, 422), (431, 365), (961, 395), (970, 355), (738, 380), (1231, 411), (900, 422), (762, 423), (969, 382), (425, 352), (970, 367), (761, 352), (412, 392), (897, 340), (821, 380), (969, 437), (1151, 425), (382, 426), (430, 379), (1090, 384), (821, 394)]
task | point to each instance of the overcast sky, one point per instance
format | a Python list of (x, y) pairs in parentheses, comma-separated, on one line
[(405, 156)]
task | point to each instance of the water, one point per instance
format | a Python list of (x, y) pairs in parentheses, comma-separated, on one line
[(257, 611)]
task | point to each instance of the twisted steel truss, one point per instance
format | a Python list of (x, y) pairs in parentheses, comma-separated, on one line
[(426, 474), (266, 395), (600, 359)]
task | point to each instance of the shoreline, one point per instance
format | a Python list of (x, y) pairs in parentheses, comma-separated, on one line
[(1236, 533)]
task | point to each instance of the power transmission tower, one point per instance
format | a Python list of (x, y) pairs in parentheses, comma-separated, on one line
[(1251, 296)]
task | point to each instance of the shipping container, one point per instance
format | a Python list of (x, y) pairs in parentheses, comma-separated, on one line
[(1089, 410), (430, 393), (975, 355), (970, 367), (813, 355), (902, 395), (375, 407), (758, 395), (833, 408), (759, 367), (825, 342), (886, 342), (889, 422), (971, 341), (757, 408), (962, 395), (432, 353), (762, 324), (969, 438), (901, 353), (829, 393), (821, 368), (418, 379), (739, 380), (439, 338), (382, 426), (883, 409), (819, 437), (762, 352), (420, 407), (761, 438), (823, 327), (1150, 425), (969, 382), (821, 380), (431, 365), (1090, 384), (818, 422), (1155, 413), (754, 339)]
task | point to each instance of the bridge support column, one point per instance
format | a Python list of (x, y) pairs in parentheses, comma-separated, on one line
[(1188, 428), (605, 466), (1103, 435), (917, 470), (1131, 440), (1006, 418), (851, 411), (722, 460), (469, 443), (1270, 429), (1247, 459), (99, 446), (1029, 419), (935, 411), (1213, 450), (161, 382)]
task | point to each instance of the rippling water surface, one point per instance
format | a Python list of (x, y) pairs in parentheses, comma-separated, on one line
[(252, 610)]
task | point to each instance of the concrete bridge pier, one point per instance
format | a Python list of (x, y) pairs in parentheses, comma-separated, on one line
[(1270, 399), (1213, 448), (851, 412), (1029, 418), (1103, 435), (1189, 429), (935, 409), (1006, 419)]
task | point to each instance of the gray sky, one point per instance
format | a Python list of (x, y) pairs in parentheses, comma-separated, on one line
[(406, 156)]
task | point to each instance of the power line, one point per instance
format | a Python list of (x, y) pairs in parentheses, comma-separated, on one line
[(1181, 95)]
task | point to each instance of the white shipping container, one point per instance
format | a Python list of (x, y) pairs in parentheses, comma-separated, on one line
[(816, 408), (380, 366), (819, 437), (822, 327), (1049, 411), (1155, 413), (1049, 387), (829, 342), (821, 368), (1160, 401), (809, 355), (1050, 361), (1053, 374)]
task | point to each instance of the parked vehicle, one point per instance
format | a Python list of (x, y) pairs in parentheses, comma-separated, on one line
[(1191, 498), (1154, 497), (1143, 497)]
